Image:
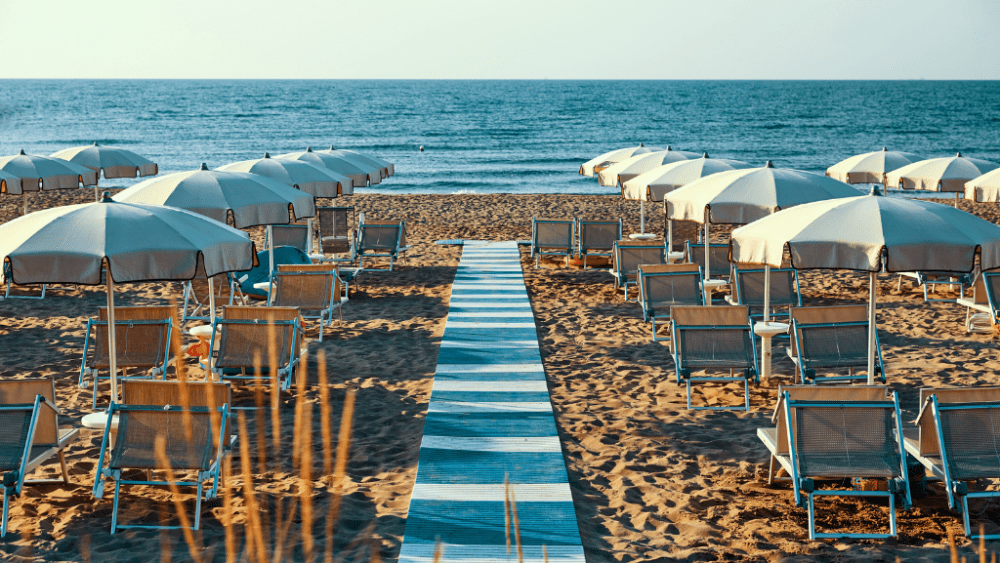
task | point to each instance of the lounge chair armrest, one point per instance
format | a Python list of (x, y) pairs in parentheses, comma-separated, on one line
[(49, 405), (777, 410), (923, 408)]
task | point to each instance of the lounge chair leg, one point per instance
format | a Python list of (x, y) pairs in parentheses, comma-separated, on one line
[(770, 472), (114, 507), (6, 505), (62, 464)]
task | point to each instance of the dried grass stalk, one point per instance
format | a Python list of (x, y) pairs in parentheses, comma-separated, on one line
[(160, 447)]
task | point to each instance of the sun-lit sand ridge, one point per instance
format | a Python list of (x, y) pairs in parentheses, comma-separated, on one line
[(651, 481)]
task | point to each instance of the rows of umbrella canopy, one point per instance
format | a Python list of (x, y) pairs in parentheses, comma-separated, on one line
[(821, 222), (165, 228)]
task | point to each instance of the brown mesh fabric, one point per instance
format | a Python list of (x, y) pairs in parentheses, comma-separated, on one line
[(150, 392), (305, 290), (926, 422), (721, 348), (137, 345), (726, 315), (14, 426), (239, 341), (136, 441), (839, 441), (751, 288), (291, 235), (832, 314), (599, 235), (718, 256), (629, 258), (554, 234), (662, 291), (834, 346), (334, 221), (24, 391), (972, 441)]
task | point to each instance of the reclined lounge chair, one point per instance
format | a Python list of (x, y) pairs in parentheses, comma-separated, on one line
[(552, 237), (748, 290), (629, 255), (832, 338), (381, 239), (597, 238), (243, 331), (984, 299), (662, 286), (312, 288)]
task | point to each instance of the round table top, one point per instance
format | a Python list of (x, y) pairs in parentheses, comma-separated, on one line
[(317, 256), (675, 255), (714, 283), (642, 236), (99, 420), (201, 331), (770, 328)]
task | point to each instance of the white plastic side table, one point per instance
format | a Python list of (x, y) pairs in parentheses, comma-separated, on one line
[(263, 286), (766, 331), (708, 286), (642, 236), (99, 420), (675, 256)]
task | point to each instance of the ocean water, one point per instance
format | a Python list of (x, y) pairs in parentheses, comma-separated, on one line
[(499, 136)]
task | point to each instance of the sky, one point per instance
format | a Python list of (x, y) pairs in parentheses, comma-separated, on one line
[(514, 39)]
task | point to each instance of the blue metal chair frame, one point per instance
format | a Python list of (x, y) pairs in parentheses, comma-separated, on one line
[(12, 485)]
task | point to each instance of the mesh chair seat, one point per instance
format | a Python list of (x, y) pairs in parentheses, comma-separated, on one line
[(597, 238), (15, 423), (385, 239), (718, 257), (749, 288), (137, 432), (838, 346), (847, 442), (296, 236), (972, 440), (717, 347), (629, 255), (552, 237)]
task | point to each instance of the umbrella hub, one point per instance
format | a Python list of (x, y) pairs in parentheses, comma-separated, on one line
[(309, 149), (768, 164), (203, 166), (267, 155), (106, 197), (875, 191), (22, 153)]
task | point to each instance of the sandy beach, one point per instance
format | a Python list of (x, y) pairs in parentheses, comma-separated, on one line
[(651, 481)]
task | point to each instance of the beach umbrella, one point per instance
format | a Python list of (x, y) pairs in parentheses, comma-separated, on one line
[(312, 179), (384, 166), (984, 188), (871, 167), (134, 242), (655, 184), (939, 174), (39, 172), (9, 183), (113, 162), (360, 176), (738, 197), (252, 199), (870, 233), (595, 165), (621, 172)]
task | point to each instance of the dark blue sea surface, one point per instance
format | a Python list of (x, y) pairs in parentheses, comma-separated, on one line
[(499, 136)]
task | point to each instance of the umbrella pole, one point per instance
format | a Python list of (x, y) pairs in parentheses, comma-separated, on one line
[(309, 235), (270, 254), (765, 341), (642, 216), (708, 276), (24, 203), (112, 345), (211, 315), (871, 328), (97, 193), (670, 235)]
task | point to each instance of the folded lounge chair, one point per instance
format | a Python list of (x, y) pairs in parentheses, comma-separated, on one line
[(713, 338), (315, 288), (845, 439), (829, 338), (31, 435), (243, 331), (984, 299), (191, 445), (334, 234), (294, 235), (661, 286), (959, 441), (381, 239), (748, 289), (597, 238), (552, 237), (196, 296), (142, 339), (629, 255)]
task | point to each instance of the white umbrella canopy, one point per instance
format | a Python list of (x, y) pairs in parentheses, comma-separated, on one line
[(595, 165), (621, 172), (135, 242), (375, 172), (112, 162), (384, 166), (984, 188), (359, 176), (252, 199), (871, 167), (658, 182), (312, 179), (939, 174), (870, 233)]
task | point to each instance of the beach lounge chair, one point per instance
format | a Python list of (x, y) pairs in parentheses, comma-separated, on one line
[(142, 339), (629, 255), (314, 288), (776, 438), (242, 331), (597, 238), (7, 295), (984, 299), (961, 423), (934, 279), (294, 235), (832, 338), (380, 239), (845, 439), (713, 338), (334, 234), (31, 436), (244, 281), (661, 286), (748, 290), (718, 258), (191, 446), (196, 298), (552, 237)]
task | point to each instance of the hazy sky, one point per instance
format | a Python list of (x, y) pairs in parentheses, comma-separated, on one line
[(646, 39)]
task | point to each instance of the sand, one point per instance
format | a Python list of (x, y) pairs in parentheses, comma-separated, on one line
[(651, 480)]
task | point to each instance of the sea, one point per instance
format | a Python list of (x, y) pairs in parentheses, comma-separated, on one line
[(500, 136)]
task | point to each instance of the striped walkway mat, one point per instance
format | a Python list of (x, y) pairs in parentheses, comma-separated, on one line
[(490, 416)]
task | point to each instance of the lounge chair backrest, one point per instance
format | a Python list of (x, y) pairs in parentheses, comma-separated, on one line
[(668, 268), (307, 268), (23, 392), (552, 233), (599, 235), (827, 315), (820, 393), (239, 341), (784, 287), (718, 255), (379, 235), (296, 236), (970, 432), (990, 281), (662, 286), (394, 222), (151, 392), (945, 395), (712, 337), (305, 290), (334, 229), (137, 345), (139, 426), (857, 439), (629, 255), (726, 315)]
